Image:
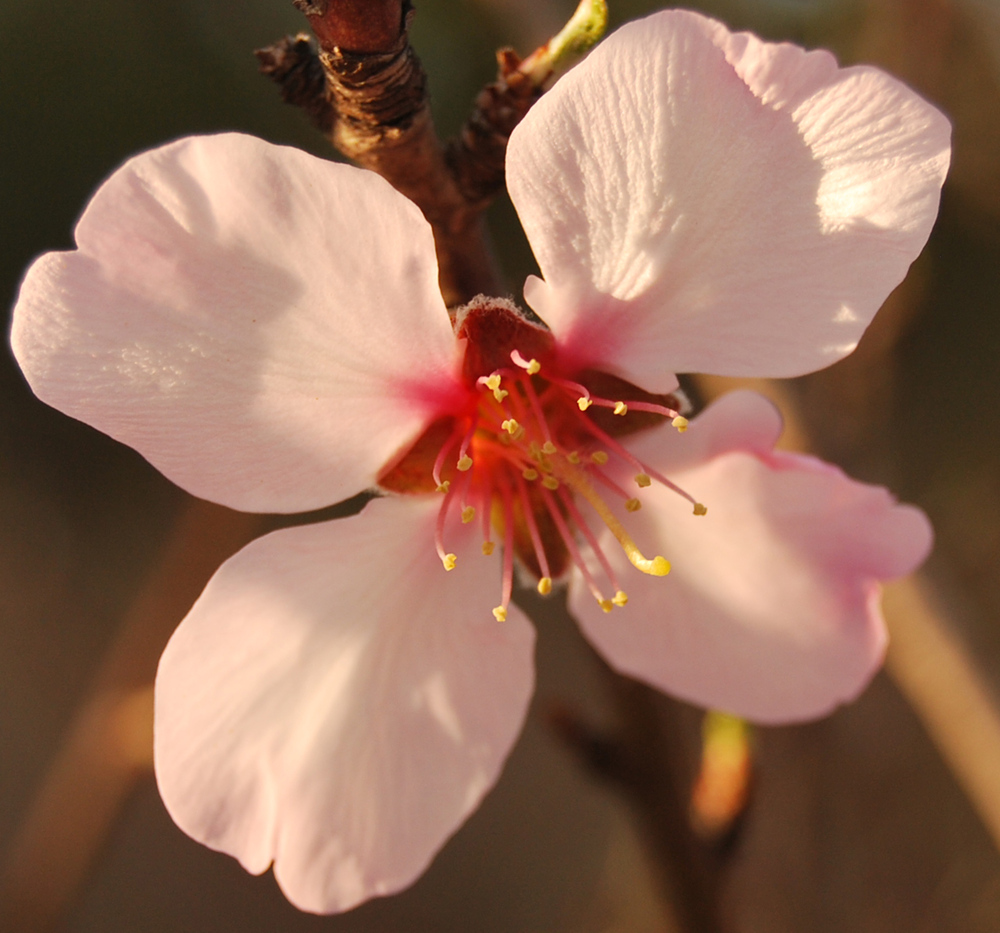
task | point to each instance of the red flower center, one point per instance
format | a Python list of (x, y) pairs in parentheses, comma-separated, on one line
[(524, 444)]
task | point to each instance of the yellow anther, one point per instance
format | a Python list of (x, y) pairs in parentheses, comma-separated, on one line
[(599, 456), (700, 509), (500, 613), (530, 474), (493, 384), (548, 448), (621, 408), (605, 604), (465, 463), (545, 586), (510, 426), (584, 402), (468, 514), (533, 367), (681, 423), (619, 599), (449, 561), (487, 548), (642, 480), (550, 482), (632, 505), (573, 457), (534, 451), (444, 486)]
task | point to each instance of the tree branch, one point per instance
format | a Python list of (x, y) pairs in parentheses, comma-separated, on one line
[(373, 105)]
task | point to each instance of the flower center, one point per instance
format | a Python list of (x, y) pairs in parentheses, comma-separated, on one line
[(525, 449)]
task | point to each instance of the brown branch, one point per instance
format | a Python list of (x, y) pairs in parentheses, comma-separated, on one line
[(372, 103), (358, 25), (292, 63), (374, 108), (477, 157)]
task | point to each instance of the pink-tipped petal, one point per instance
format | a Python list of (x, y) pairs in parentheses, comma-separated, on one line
[(700, 201), (264, 326), (771, 609), (337, 703)]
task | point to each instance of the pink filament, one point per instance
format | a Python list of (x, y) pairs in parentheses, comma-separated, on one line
[(529, 520), (578, 519)]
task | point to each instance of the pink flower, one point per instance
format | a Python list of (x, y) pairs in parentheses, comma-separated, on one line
[(266, 329)]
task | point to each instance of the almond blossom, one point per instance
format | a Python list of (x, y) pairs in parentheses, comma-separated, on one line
[(266, 329)]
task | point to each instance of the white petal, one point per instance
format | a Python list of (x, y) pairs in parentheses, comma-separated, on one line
[(338, 703), (771, 609), (706, 202), (264, 326)]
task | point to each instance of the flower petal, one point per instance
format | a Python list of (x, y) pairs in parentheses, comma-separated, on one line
[(337, 703), (700, 201), (771, 610), (264, 326)]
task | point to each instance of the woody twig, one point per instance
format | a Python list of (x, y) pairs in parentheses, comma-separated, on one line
[(363, 86)]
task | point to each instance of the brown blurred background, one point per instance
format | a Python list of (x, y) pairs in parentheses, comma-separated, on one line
[(857, 824)]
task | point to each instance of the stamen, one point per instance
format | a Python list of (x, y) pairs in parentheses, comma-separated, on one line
[(487, 543), (464, 460), (535, 535), (631, 458), (619, 599), (681, 423), (599, 456), (606, 480), (574, 388), (642, 480), (633, 505), (574, 551), (595, 547), (531, 366), (492, 383), (545, 586), (536, 407), (549, 448), (468, 514), (550, 482), (622, 407), (530, 473), (654, 409), (700, 509), (500, 613), (447, 559), (441, 457), (573, 457)]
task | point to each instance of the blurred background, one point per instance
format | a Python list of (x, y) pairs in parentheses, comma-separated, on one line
[(860, 822)]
